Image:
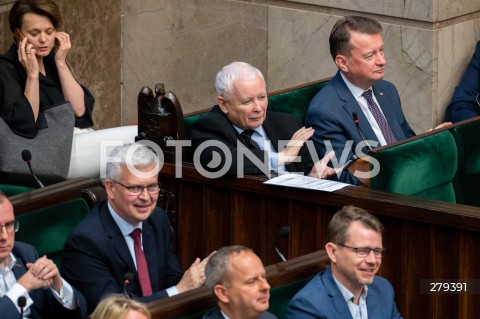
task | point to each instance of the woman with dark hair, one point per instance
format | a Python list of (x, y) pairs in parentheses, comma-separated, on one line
[(34, 73)]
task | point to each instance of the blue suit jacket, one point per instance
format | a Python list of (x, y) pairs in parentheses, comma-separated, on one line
[(464, 105), (330, 114), (321, 298), (45, 305), (96, 257), (216, 314)]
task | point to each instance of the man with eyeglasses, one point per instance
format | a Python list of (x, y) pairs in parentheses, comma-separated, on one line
[(36, 281), (349, 287), (128, 234)]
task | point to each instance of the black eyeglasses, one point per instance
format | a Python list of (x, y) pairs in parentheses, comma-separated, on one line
[(138, 189), (365, 251), (11, 226)]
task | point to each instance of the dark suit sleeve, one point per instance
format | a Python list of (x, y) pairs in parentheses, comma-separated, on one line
[(44, 304), (464, 105), (330, 134)]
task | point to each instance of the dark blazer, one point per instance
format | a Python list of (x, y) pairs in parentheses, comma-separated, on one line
[(321, 298), (96, 257), (15, 109), (464, 104), (216, 314), (330, 114), (215, 126), (45, 305)]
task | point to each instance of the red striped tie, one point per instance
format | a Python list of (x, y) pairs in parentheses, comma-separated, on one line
[(142, 267)]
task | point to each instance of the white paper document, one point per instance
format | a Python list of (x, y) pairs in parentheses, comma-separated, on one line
[(300, 181)]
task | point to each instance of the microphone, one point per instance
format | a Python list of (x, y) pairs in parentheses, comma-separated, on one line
[(282, 233), (362, 136), (127, 279), (21, 301), (27, 157)]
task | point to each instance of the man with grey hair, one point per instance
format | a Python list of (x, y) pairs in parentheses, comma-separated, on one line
[(237, 278), (240, 124), (349, 288), (128, 234)]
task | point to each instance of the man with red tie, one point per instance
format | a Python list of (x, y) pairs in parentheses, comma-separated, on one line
[(128, 234)]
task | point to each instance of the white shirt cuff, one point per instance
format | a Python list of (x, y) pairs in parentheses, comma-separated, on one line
[(172, 291), (66, 296), (17, 291)]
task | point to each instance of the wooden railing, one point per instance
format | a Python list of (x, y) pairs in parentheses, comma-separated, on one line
[(91, 190)]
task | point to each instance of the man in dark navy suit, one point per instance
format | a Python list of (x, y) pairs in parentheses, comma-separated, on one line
[(128, 233), (24, 275), (241, 121), (466, 98)]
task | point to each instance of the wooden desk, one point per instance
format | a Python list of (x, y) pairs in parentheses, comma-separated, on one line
[(425, 239), (202, 298)]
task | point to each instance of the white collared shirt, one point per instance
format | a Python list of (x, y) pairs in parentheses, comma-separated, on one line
[(261, 138), (126, 229), (357, 93)]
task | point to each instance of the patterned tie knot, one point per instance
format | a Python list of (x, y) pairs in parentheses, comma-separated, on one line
[(379, 117), (367, 94), (135, 234)]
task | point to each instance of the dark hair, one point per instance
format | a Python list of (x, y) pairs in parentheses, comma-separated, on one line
[(340, 35), (338, 226), (47, 8)]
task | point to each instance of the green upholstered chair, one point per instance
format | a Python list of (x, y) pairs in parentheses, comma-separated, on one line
[(280, 296), (467, 179), (189, 120), (48, 228), (10, 190), (422, 167), (296, 100)]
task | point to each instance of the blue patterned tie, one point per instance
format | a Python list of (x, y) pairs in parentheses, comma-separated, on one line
[(381, 120)]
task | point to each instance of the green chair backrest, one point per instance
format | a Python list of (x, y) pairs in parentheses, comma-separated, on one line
[(48, 228), (423, 167), (280, 296), (466, 182), (188, 121), (295, 101), (10, 190)]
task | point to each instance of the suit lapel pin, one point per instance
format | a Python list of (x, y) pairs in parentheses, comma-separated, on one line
[(381, 93)]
